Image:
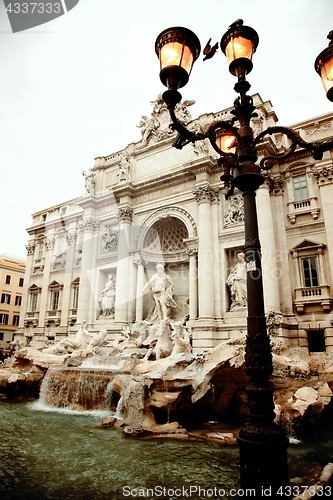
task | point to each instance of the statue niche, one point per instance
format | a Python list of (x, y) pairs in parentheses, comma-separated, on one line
[(166, 239), (236, 282), (108, 297)]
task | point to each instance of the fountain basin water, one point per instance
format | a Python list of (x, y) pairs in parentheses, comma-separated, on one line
[(65, 455)]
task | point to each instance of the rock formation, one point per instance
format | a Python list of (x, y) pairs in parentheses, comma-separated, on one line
[(157, 385)]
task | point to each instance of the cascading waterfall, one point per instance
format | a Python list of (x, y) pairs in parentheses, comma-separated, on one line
[(119, 410), (212, 403), (288, 425), (166, 389), (77, 388)]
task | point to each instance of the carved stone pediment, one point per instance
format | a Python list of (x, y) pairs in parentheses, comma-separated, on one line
[(157, 126)]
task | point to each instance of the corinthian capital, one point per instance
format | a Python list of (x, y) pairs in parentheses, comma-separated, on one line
[(205, 194), (324, 175), (90, 225), (30, 249), (125, 214), (71, 238)]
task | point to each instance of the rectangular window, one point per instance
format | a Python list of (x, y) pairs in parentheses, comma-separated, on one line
[(300, 188), (21, 281), (61, 245), (33, 302), (75, 298), (18, 300), (55, 300), (310, 272), (8, 279), (316, 341), (16, 320), (40, 250), (3, 319), (5, 298), (1, 335)]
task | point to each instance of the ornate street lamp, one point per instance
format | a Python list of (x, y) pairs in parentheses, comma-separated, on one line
[(263, 444), (324, 67), (177, 49)]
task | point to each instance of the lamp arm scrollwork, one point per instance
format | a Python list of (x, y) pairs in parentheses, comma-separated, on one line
[(184, 135), (222, 126), (317, 147)]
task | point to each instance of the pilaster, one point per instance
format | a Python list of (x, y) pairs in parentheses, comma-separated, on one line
[(25, 295), (324, 175), (140, 263), (205, 196), (193, 283), (271, 274), (125, 216), (66, 294), (44, 297), (87, 302)]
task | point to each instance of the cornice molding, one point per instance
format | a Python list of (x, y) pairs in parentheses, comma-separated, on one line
[(301, 229)]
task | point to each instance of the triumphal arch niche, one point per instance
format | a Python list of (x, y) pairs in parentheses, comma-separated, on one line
[(169, 237)]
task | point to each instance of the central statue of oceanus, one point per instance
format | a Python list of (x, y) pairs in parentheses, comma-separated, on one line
[(161, 289)]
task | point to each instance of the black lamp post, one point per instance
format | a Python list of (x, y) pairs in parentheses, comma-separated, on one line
[(263, 444)]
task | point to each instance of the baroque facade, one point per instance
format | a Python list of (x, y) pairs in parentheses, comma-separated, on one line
[(151, 204)]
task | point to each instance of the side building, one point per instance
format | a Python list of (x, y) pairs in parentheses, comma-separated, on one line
[(11, 292), (151, 203)]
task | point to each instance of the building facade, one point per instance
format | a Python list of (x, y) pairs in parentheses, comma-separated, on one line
[(89, 258), (11, 292)]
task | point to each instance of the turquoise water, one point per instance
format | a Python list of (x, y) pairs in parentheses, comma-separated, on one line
[(65, 456), (61, 455)]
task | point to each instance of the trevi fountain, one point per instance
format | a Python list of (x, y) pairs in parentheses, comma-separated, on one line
[(142, 415)]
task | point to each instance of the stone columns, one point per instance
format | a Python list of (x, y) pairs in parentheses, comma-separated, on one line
[(271, 274), (217, 257), (87, 301), (193, 283), (290, 188), (25, 295), (140, 282), (324, 176), (45, 296), (66, 293), (205, 195), (123, 265), (282, 253)]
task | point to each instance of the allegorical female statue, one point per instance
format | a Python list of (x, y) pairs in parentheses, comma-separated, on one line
[(236, 281), (108, 297)]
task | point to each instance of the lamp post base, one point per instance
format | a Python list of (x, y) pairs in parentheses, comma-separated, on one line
[(263, 446)]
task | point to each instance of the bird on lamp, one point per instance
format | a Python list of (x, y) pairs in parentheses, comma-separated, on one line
[(209, 51), (238, 22)]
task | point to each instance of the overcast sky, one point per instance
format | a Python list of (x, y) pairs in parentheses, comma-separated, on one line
[(76, 87)]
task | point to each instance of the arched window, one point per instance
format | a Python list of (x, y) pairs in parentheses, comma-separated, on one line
[(166, 235)]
